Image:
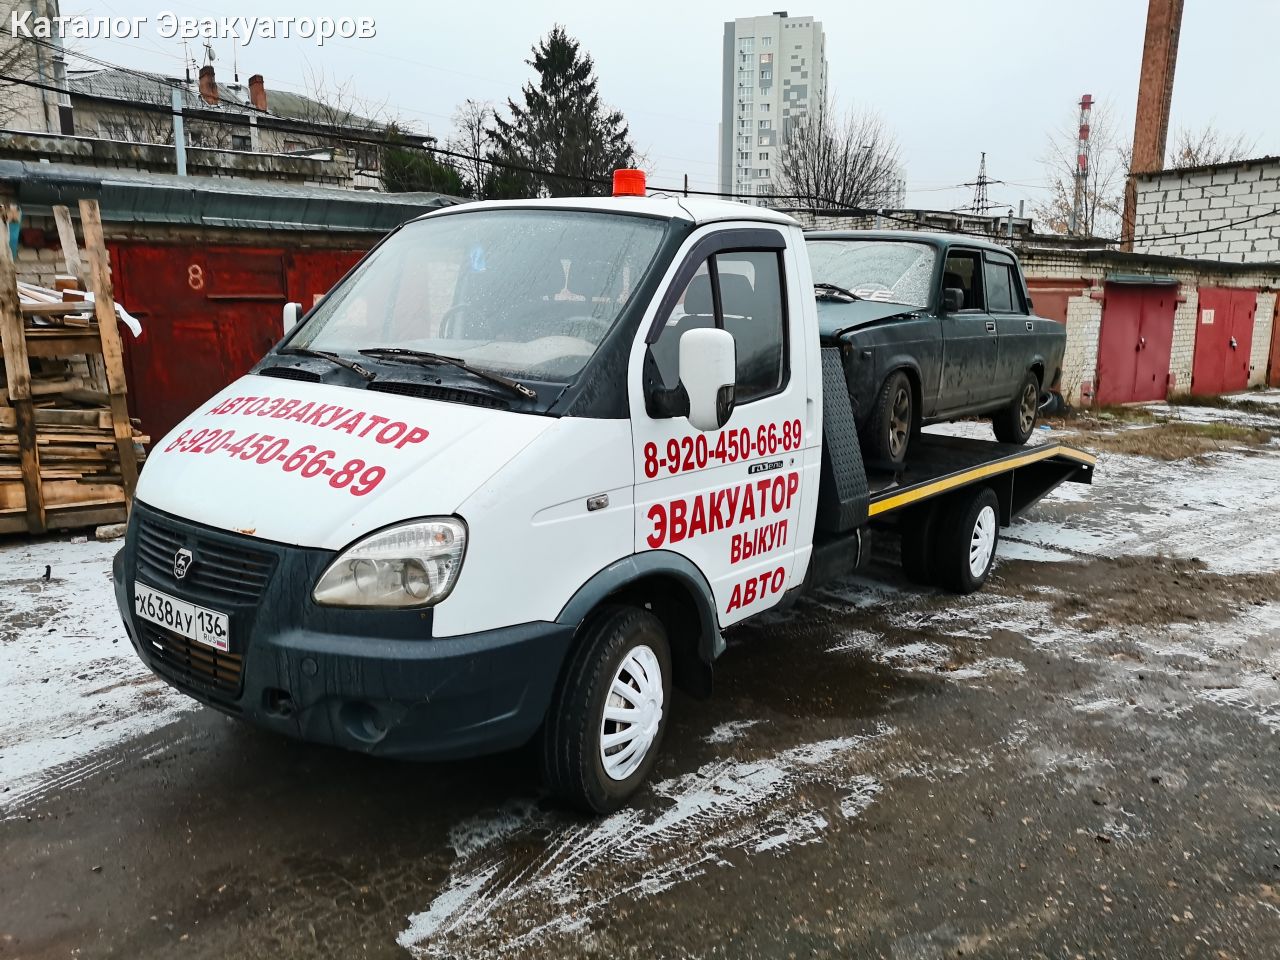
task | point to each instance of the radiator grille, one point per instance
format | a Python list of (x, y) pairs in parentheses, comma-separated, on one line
[(192, 665), (220, 569)]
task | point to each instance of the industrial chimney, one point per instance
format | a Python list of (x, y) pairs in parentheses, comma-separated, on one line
[(208, 85)]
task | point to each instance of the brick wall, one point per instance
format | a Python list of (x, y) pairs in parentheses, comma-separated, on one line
[(1228, 212)]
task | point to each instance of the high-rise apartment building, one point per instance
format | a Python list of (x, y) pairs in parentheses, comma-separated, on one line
[(775, 75)]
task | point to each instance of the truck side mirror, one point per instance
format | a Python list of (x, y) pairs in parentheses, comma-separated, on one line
[(292, 314), (952, 299), (708, 373)]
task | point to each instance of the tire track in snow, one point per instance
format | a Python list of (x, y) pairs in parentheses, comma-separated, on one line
[(496, 906)]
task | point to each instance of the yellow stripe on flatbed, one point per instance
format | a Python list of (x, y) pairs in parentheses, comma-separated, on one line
[(892, 501)]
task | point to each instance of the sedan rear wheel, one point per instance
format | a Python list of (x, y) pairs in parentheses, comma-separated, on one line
[(1017, 421)]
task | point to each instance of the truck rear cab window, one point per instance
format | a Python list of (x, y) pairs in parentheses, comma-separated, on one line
[(963, 271), (739, 291)]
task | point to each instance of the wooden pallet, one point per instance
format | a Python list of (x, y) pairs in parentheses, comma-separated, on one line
[(68, 454)]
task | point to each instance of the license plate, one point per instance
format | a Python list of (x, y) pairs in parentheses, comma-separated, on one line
[(191, 620)]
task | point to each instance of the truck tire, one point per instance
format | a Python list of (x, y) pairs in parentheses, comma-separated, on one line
[(967, 536), (1016, 422), (887, 434), (917, 548), (607, 718)]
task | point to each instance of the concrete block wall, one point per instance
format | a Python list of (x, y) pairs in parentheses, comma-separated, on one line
[(1182, 351), (1080, 362), (1260, 353), (1225, 212)]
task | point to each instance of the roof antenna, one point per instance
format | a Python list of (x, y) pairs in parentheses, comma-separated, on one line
[(186, 60)]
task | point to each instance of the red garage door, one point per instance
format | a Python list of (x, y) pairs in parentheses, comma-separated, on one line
[(208, 313), (1135, 342), (1224, 338)]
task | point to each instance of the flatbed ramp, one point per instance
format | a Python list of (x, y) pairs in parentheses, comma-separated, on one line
[(938, 464)]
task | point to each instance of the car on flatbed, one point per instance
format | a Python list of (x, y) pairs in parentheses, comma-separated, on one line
[(511, 479), (932, 327)]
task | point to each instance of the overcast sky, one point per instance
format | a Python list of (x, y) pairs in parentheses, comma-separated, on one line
[(952, 79)]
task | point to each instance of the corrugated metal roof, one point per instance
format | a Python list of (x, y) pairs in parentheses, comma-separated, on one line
[(128, 196), (154, 88)]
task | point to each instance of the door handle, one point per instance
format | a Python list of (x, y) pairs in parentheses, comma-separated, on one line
[(1030, 325), (1142, 343), (1234, 345), (991, 326)]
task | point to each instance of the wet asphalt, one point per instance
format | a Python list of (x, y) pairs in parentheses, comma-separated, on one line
[(999, 788)]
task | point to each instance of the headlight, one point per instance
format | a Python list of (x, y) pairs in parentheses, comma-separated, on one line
[(412, 565)]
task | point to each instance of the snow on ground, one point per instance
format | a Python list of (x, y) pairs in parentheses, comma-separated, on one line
[(1137, 505), (71, 680)]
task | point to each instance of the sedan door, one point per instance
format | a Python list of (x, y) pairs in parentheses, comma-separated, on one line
[(1014, 326), (970, 350)]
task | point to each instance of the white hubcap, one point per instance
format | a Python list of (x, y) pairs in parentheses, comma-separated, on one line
[(983, 543), (632, 713)]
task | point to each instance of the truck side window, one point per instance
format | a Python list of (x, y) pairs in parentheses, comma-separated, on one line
[(963, 270), (750, 308), (751, 299)]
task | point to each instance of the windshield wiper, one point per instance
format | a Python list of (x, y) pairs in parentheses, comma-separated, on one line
[(424, 359), (351, 365), (831, 291)]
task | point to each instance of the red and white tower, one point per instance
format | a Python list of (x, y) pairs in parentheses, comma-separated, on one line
[(1082, 168)]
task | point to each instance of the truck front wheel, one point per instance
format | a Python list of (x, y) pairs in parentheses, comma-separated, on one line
[(606, 721)]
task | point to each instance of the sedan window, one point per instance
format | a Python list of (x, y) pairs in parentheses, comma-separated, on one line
[(962, 273)]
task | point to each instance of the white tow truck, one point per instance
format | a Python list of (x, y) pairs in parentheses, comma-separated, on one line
[(511, 479)]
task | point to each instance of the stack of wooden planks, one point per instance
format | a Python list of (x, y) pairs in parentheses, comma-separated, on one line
[(69, 453)]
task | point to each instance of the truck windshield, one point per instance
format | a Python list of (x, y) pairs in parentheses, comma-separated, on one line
[(891, 271), (530, 293)]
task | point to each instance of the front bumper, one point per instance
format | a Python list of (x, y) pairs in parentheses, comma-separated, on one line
[(366, 680)]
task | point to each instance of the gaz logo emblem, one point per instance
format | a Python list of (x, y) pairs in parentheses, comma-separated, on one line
[(182, 563)]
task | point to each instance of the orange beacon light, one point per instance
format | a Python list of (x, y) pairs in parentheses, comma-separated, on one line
[(628, 183)]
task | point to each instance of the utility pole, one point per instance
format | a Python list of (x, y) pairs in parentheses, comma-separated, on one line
[(179, 134), (1155, 96), (1082, 169)]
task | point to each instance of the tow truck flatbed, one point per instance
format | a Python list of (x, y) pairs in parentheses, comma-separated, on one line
[(947, 502), (939, 464)]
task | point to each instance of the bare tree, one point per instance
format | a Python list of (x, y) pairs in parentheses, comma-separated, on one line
[(471, 124), (334, 103), (1198, 148), (846, 162), (1103, 201)]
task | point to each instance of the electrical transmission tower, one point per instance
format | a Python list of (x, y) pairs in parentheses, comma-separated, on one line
[(981, 204)]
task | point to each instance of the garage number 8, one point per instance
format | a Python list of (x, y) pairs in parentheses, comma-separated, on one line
[(195, 276)]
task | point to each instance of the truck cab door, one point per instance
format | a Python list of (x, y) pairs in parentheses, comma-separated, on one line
[(969, 339), (729, 500)]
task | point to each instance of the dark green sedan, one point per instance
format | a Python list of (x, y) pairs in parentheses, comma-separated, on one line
[(932, 327)]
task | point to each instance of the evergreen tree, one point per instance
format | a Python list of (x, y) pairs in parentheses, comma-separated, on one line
[(562, 127), (414, 169)]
